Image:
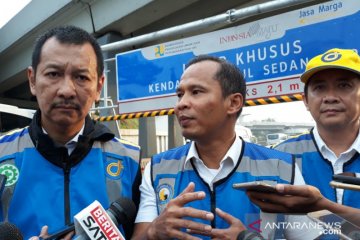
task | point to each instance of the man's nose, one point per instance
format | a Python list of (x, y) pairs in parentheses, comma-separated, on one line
[(182, 102), (67, 87), (331, 96)]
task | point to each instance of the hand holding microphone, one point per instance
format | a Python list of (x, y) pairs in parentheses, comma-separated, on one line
[(289, 199)]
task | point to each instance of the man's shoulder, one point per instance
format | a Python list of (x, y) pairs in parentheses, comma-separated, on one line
[(172, 153), (262, 149), (13, 135), (122, 144), (13, 142), (119, 148), (297, 138), (296, 143), (258, 152), (127, 144)]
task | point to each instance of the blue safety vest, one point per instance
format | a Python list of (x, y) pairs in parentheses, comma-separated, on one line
[(170, 177), (46, 186), (317, 170)]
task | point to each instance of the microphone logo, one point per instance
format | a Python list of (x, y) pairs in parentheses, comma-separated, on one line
[(97, 224)]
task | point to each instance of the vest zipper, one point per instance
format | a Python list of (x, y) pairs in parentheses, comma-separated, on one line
[(213, 207), (66, 168)]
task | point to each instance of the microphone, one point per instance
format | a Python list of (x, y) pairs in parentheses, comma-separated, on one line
[(94, 222), (346, 181), (9, 231), (123, 211), (249, 235), (3, 179)]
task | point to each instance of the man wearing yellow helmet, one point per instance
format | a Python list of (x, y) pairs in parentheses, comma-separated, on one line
[(332, 95)]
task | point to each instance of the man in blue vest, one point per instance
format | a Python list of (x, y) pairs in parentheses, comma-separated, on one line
[(187, 192), (64, 160), (332, 95)]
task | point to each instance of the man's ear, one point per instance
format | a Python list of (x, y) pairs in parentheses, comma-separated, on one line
[(31, 78), (235, 103), (305, 101), (99, 87)]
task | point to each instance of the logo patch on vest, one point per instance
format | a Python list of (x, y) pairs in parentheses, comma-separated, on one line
[(11, 172), (164, 193), (114, 168)]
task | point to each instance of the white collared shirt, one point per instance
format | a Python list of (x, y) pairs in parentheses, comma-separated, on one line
[(337, 162), (148, 208), (70, 145), (227, 164)]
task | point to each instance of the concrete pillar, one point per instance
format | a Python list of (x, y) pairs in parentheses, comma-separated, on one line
[(147, 136), (175, 137)]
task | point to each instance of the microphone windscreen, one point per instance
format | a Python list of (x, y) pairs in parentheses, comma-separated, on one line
[(124, 210), (249, 235), (9, 231)]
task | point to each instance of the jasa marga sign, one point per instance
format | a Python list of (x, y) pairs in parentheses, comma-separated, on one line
[(271, 52)]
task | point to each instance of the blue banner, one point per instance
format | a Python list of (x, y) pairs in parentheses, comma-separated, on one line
[(271, 52)]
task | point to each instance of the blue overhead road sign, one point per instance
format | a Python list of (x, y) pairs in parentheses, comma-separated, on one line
[(271, 52)]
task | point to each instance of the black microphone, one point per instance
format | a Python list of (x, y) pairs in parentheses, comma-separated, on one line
[(9, 231), (122, 211), (249, 235), (3, 179)]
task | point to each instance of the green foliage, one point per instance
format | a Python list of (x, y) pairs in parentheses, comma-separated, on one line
[(129, 123)]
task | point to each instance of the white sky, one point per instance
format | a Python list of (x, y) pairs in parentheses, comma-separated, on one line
[(281, 112), (8, 8)]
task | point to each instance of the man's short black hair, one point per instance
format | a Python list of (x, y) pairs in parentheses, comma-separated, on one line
[(68, 35), (229, 76)]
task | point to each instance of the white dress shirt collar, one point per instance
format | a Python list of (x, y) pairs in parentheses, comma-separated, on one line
[(233, 153), (70, 145), (329, 154), (227, 164)]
